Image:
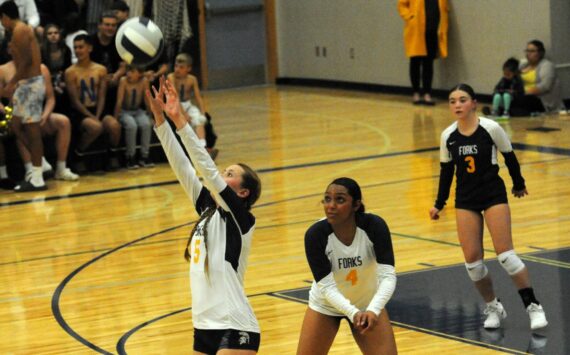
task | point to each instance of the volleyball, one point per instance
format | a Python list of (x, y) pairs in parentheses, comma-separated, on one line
[(139, 41)]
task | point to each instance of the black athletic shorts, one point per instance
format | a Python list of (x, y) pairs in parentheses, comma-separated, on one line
[(486, 195), (209, 341), (480, 206)]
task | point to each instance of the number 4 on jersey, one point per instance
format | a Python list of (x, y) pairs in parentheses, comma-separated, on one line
[(352, 276)]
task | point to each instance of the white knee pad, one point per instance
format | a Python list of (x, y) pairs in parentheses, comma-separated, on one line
[(510, 261), (476, 270)]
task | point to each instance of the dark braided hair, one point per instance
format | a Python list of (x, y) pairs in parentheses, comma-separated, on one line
[(250, 181), (206, 215)]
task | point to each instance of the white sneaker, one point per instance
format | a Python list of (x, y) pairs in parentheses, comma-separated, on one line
[(537, 316), (495, 313), (66, 174), (46, 166)]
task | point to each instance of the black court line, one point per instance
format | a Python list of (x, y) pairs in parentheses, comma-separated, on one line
[(300, 295), (125, 337), (541, 149), (55, 307), (57, 294), (519, 146), (257, 206), (89, 193), (443, 302)]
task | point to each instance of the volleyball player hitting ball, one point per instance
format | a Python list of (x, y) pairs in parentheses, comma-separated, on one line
[(219, 244), (351, 258), (471, 145)]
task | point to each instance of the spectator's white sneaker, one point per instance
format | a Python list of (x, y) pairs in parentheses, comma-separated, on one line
[(66, 174), (495, 313), (537, 316)]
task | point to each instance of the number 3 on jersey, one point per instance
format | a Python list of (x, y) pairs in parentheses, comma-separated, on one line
[(197, 251), (471, 164), (352, 276)]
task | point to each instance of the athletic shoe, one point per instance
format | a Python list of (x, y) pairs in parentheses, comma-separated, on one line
[(146, 162), (131, 164), (494, 313), (113, 164), (7, 184), (537, 316), (80, 167), (66, 174), (27, 186)]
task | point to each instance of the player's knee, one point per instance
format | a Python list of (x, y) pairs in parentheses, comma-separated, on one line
[(476, 270), (511, 262)]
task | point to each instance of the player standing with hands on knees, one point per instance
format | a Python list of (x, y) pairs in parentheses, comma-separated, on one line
[(219, 244), (471, 144), (351, 257)]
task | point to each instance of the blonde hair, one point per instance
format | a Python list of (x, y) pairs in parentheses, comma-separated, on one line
[(183, 58)]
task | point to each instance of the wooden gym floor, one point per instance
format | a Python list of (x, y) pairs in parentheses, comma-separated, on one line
[(96, 266)]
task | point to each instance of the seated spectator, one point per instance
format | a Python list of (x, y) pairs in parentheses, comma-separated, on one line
[(131, 110), (509, 88), (105, 53), (541, 86), (86, 84), (187, 87), (57, 57)]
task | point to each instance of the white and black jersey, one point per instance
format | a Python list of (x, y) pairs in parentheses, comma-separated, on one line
[(351, 278), (474, 159), (218, 297)]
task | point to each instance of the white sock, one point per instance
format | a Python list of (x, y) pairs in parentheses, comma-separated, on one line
[(46, 166), (28, 166), (203, 142), (61, 166), (495, 302), (3, 172), (37, 176)]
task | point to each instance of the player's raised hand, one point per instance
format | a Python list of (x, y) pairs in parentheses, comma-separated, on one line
[(156, 104), (172, 103)]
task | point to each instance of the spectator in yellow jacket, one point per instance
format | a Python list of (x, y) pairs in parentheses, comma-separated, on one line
[(425, 38)]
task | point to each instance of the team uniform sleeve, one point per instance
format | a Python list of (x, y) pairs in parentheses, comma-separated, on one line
[(222, 193), (504, 145), (385, 270), (315, 250), (180, 164), (386, 275), (447, 168)]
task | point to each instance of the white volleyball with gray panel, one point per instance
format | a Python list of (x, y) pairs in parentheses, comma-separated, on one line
[(139, 41)]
